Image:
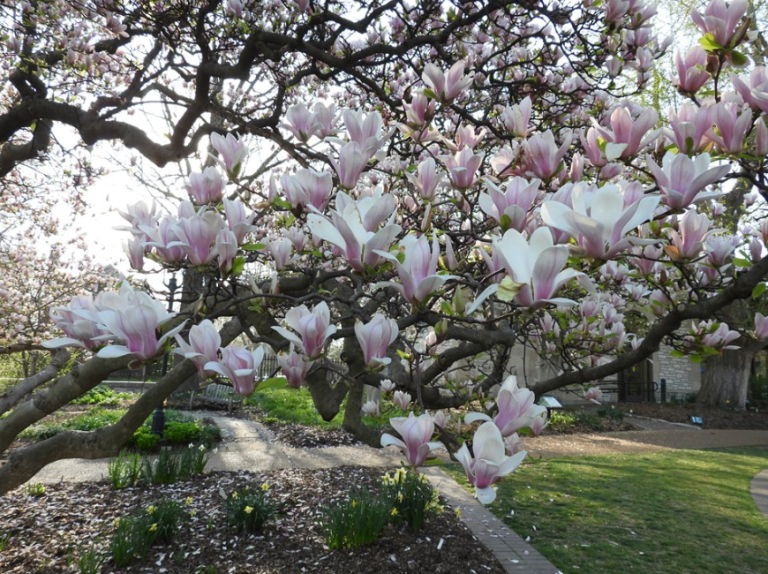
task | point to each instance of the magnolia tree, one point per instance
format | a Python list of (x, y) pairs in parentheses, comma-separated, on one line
[(463, 178)]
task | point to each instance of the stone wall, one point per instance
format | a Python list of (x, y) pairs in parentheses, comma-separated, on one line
[(683, 376)]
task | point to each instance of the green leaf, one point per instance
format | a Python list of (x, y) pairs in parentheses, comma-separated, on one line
[(758, 290), (273, 383), (252, 246), (506, 221), (508, 289), (429, 93), (403, 355), (677, 354), (739, 262), (708, 43), (446, 308), (238, 265), (738, 59)]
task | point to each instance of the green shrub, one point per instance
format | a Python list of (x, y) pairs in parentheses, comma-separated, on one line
[(124, 470), (144, 439), (102, 395), (36, 489), (193, 460), (565, 421), (136, 534), (357, 522), (210, 435), (249, 510), (182, 433), (411, 498)]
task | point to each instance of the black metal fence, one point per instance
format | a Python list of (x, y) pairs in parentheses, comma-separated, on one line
[(630, 391)]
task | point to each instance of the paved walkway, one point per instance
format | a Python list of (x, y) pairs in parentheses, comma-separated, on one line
[(249, 445), (759, 488)]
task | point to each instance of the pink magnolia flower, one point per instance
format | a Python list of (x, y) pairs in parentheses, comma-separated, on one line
[(203, 347), (761, 138), (197, 236), (715, 335), (688, 127), (353, 159), (720, 249), (538, 424), (137, 328), (206, 187), (418, 271), (465, 137), (446, 87), (681, 179), (232, 151), (402, 400), (733, 122), (294, 367), (754, 91), (420, 111), (691, 70), (516, 408), (510, 208), (462, 167), (240, 366), (313, 328), (593, 394), (441, 419), (599, 220), (354, 228), (78, 321), (375, 337), (308, 187), (543, 156), (226, 250), (626, 137), (281, 251), (364, 129), (516, 118), (387, 386), (134, 249), (426, 179), (300, 122), (415, 433), (324, 119), (513, 444), (761, 326), (371, 409), (720, 19), (688, 243), (489, 463), (161, 238)]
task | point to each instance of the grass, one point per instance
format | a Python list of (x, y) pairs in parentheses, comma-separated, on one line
[(296, 406), (678, 512)]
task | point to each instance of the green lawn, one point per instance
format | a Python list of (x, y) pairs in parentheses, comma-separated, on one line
[(675, 512), (296, 406)]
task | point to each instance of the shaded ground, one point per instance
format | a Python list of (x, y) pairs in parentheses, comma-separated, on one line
[(713, 418), (68, 518)]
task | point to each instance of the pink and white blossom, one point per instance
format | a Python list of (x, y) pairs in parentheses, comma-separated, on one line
[(374, 338), (240, 366), (311, 328), (415, 433)]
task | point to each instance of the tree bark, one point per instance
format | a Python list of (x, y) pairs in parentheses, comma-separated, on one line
[(725, 380)]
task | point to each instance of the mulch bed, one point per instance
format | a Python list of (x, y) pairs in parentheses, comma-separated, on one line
[(300, 436), (713, 418), (44, 531)]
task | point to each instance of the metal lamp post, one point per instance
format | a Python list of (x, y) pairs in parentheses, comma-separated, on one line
[(158, 419)]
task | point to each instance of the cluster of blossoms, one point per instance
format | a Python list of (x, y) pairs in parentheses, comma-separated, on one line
[(570, 243)]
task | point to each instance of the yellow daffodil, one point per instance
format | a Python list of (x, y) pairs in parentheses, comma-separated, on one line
[(153, 528), (150, 509), (265, 487), (248, 509)]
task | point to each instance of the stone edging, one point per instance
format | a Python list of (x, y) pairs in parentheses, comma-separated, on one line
[(759, 490), (513, 553)]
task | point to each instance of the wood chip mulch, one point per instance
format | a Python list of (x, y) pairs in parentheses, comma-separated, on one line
[(714, 418), (47, 534)]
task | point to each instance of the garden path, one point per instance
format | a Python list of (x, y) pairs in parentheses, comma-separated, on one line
[(249, 445)]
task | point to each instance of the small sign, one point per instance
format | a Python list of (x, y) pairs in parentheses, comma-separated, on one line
[(697, 420), (550, 402)]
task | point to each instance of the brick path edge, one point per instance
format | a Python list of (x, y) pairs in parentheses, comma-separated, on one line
[(514, 554)]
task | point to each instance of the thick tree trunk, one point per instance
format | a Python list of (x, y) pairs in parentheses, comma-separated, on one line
[(725, 380)]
